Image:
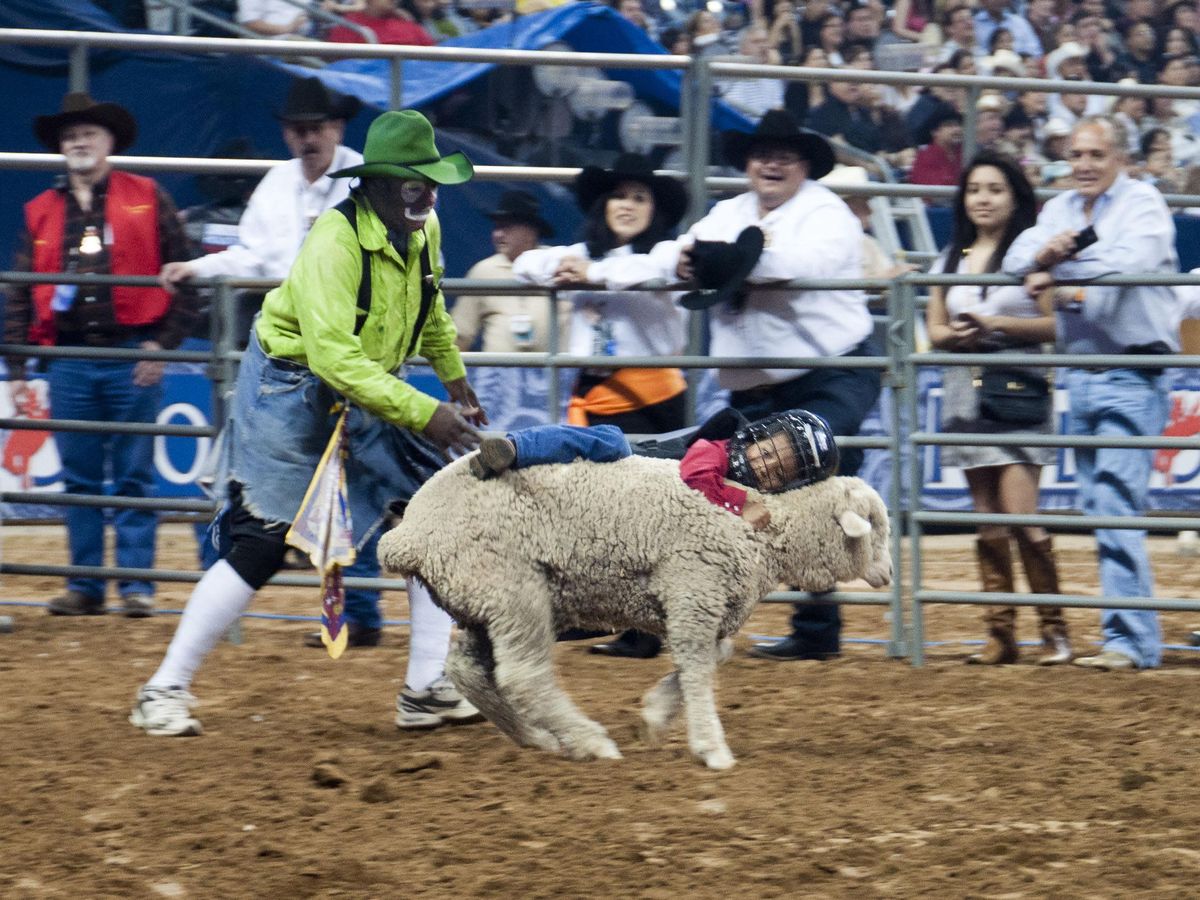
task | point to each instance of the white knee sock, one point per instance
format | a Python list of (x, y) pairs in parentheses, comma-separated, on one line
[(216, 602), (430, 637)]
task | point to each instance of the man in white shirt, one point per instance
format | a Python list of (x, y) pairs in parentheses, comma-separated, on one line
[(292, 195), (509, 324), (1134, 234), (277, 219), (808, 232), (272, 18)]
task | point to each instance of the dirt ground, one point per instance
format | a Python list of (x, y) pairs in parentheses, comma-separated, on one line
[(861, 777)]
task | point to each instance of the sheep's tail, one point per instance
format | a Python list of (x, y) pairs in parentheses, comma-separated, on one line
[(399, 553)]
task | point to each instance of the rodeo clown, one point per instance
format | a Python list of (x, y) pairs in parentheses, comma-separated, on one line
[(362, 297)]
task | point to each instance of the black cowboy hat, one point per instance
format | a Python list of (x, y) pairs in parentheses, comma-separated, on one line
[(778, 127), (721, 269), (670, 197), (309, 100), (79, 108), (523, 207), (942, 116)]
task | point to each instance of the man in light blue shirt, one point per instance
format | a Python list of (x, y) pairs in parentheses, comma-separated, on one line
[(994, 14), (1135, 234)]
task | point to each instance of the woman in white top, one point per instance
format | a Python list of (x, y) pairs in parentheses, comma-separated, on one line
[(995, 203), (628, 210)]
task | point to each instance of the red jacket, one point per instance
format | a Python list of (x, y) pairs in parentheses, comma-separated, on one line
[(131, 210), (704, 468)]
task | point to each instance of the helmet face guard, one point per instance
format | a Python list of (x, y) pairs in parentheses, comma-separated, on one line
[(784, 451)]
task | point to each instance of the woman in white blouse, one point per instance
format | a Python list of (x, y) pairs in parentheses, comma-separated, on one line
[(628, 210), (994, 204)]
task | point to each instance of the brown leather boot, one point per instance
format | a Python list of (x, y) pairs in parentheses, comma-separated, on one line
[(1040, 568), (996, 574)]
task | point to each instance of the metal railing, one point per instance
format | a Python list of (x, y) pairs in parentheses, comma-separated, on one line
[(900, 365)]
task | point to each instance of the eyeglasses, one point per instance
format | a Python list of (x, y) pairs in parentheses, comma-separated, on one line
[(413, 190)]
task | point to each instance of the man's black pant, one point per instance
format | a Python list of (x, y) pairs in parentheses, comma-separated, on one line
[(843, 397)]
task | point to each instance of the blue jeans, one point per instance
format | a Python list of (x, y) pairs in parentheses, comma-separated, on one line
[(1114, 482), (843, 397), (546, 444), (103, 391)]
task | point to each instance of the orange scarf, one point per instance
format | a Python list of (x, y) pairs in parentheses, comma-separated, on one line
[(624, 391)]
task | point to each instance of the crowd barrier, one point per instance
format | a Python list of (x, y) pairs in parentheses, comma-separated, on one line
[(903, 441)]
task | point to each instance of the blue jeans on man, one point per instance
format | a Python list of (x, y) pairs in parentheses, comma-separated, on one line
[(843, 397), (1113, 481), (103, 390)]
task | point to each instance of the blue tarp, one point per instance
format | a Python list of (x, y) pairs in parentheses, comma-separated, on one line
[(192, 105)]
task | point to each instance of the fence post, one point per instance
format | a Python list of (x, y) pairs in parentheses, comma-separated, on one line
[(77, 69), (553, 372), (907, 311), (396, 86), (223, 316), (970, 123), (899, 298), (695, 103)]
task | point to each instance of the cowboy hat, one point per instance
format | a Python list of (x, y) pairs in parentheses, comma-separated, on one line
[(721, 269), (522, 207), (778, 127), (400, 145), (1063, 52), (670, 197), (1006, 60), (310, 100), (79, 108)]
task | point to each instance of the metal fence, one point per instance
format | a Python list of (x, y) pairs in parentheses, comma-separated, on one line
[(900, 363)]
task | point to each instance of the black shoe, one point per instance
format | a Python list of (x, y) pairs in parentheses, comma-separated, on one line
[(358, 637), (76, 603), (792, 648), (632, 645)]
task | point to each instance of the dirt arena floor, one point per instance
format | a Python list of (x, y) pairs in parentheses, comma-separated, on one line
[(861, 777)]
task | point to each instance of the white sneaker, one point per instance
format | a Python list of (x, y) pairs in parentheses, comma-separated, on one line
[(438, 704), (165, 712)]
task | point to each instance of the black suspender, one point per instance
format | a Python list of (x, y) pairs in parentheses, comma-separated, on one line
[(429, 287)]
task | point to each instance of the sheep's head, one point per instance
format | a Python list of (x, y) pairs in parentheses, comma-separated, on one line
[(834, 531)]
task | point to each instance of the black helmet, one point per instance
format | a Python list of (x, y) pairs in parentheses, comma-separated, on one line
[(802, 441)]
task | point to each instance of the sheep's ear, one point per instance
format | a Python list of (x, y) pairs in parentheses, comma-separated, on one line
[(853, 524)]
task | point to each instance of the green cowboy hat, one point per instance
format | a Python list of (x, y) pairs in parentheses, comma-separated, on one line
[(400, 145)]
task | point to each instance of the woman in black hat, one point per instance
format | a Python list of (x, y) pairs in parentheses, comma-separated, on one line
[(628, 210)]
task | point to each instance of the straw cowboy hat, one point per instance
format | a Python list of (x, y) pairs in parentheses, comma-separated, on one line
[(400, 145), (670, 197), (309, 100), (779, 128), (77, 109), (521, 207)]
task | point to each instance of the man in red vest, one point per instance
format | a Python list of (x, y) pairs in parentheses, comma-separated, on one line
[(96, 221)]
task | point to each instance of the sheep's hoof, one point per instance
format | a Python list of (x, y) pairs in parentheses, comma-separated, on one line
[(653, 729), (598, 747), (718, 759), (540, 739)]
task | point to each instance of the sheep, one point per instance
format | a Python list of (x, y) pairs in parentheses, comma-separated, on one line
[(617, 545)]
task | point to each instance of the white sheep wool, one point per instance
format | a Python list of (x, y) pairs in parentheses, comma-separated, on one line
[(612, 546)]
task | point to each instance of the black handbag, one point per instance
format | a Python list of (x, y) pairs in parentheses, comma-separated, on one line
[(1014, 396)]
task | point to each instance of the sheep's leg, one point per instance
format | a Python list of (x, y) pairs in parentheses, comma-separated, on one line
[(470, 666), (660, 706), (697, 656), (524, 677), (662, 703)]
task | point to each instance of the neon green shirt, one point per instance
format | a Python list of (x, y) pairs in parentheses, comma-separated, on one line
[(310, 317)]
